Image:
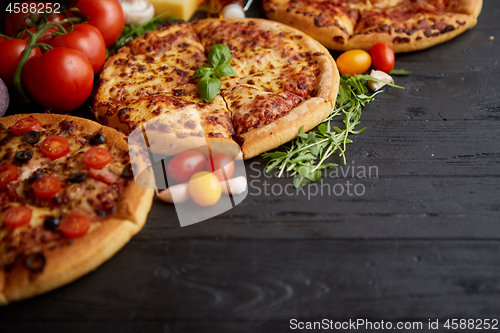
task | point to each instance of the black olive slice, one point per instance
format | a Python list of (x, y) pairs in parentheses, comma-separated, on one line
[(128, 171), (77, 177), (97, 139), (36, 262), (34, 177), (51, 222), (23, 156), (31, 137), (100, 213)]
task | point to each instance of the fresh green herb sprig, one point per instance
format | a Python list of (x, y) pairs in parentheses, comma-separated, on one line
[(219, 58), (399, 72), (132, 31), (307, 155)]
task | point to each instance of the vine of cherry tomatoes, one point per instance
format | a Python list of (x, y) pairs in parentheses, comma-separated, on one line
[(53, 59)]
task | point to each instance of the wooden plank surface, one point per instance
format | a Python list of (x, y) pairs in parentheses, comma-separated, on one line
[(421, 242)]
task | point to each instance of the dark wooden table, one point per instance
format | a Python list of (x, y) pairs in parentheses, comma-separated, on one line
[(421, 242)]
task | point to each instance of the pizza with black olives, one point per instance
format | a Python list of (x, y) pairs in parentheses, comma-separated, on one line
[(68, 201)]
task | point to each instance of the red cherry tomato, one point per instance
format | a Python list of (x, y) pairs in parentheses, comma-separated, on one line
[(106, 15), (218, 161), (186, 164), (354, 62), (17, 216), (15, 21), (11, 51), (382, 57), (96, 158), (75, 225), (8, 173), (25, 125), (86, 39), (67, 77), (54, 146), (47, 186)]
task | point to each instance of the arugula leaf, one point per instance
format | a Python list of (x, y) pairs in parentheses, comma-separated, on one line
[(208, 87), (399, 72), (306, 155)]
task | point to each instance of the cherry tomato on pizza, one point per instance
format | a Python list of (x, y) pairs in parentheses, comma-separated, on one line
[(354, 62), (106, 15), (54, 147), (8, 173), (183, 165), (26, 125), (11, 51), (204, 188), (47, 186), (67, 78), (382, 57), (96, 158), (75, 225), (86, 39), (17, 216), (217, 162)]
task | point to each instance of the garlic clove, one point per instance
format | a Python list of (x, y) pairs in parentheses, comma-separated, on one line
[(137, 11), (375, 85), (234, 186), (175, 194)]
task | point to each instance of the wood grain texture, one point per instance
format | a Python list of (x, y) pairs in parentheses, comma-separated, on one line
[(421, 242)]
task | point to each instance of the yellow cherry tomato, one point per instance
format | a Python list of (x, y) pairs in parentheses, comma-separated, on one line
[(354, 62), (204, 188)]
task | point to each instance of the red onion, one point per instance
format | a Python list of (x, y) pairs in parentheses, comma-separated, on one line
[(4, 98)]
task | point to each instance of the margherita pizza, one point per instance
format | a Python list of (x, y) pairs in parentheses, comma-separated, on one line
[(405, 25), (68, 201), (284, 80)]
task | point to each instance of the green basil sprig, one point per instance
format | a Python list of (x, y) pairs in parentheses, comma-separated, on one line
[(219, 58)]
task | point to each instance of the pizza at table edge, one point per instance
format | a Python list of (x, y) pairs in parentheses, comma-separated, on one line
[(68, 201), (405, 25)]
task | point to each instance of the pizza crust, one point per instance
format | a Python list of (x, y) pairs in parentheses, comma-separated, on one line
[(308, 115), (336, 38), (66, 263)]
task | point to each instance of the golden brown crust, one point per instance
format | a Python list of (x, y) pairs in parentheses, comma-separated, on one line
[(69, 262), (308, 114), (339, 34)]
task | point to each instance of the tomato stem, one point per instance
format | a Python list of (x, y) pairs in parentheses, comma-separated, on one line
[(32, 44), (4, 36)]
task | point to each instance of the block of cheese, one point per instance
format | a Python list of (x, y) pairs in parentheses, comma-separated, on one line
[(182, 9)]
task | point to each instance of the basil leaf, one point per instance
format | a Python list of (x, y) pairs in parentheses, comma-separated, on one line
[(208, 87), (219, 54), (203, 71), (224, 70)]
